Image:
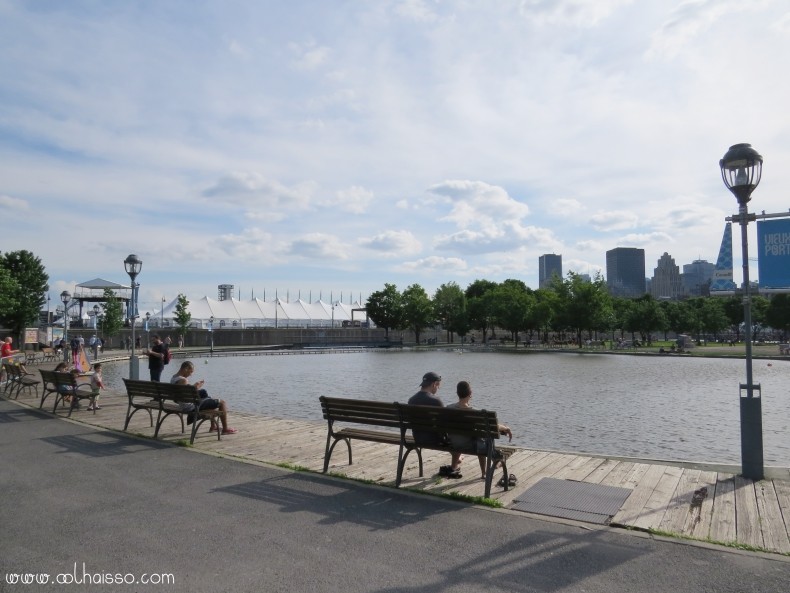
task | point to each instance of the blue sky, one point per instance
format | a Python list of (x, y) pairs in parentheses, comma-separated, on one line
[(314, 147)]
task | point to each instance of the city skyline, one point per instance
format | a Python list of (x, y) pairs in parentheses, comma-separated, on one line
[(332, 148)]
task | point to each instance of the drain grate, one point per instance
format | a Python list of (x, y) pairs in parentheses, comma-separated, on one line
[(580, 501)]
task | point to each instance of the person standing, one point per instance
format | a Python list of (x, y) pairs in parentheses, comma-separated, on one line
[(94, 344), (97, 384), (8, 348), (156, 358)]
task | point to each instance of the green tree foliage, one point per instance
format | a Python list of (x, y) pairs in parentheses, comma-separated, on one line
[(384, 308), (417, 309), (449, 305), (733, 309), (678, 316), (182, 317), (778, 314), (26, 282), (583, 304), (645, 317), (112, 316), (480, 305), (514, 305)]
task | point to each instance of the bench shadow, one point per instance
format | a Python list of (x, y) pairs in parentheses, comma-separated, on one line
[(23, 415), (347, 502), (539, 560), (102, 444)]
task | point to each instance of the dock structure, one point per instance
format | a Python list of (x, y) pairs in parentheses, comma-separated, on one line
[(688, 500)]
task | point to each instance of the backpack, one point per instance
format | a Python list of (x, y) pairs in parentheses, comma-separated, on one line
[(168, 356)]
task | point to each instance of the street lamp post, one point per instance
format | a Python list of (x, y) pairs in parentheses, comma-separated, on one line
[(132, 264), (162, 322), (65, 296), (96, 310), (147, 329), (741, 169), (211, 332)]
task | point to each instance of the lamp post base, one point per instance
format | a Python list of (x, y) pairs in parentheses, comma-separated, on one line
[(134, 368), (752, 438)]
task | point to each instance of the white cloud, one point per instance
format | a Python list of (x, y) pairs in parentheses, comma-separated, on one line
[(578, 13), (9, 203), (319, 246), (393, 243), (417, 10), (614, 221), (252, 190), (434, 264), (355, 199)]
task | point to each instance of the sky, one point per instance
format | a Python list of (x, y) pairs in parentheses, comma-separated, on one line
[(324, 148)]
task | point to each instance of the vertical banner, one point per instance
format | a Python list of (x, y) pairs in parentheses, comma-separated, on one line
[(773, 257)]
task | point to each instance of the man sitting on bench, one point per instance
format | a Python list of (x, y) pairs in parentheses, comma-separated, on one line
[(206, 403)]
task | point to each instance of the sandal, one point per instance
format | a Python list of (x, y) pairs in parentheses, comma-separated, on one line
[(511, 481), (445, 470), (229, 431), (455, 475)]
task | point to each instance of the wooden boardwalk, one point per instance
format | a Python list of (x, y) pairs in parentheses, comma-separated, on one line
[(664, 498)]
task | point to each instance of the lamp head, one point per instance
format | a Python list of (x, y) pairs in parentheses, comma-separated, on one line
[(148, 315), (65, 296), (96, 309), (741, 170), (132, 264)]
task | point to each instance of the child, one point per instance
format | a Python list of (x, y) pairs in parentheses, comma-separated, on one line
[(97, 384)]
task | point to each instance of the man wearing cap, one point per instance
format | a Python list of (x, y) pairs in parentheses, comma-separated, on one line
[(426, 396)]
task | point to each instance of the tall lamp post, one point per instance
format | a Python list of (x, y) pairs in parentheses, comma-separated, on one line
[(65, 296), (162, 322), (132, 264), (741, 169), (211, 332), (147, 328)]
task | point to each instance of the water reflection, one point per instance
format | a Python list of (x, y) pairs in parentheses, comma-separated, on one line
[(657, 407)]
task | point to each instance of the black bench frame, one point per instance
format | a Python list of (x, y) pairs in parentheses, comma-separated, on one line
[(64, 385), (480, 426), (166, 399)]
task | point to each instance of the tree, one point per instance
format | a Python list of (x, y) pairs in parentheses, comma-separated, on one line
[(583, 304), (778, 314), (480, 305), (733, 309), (27, 290), (385, 309), (417, 309), (449, 305), (513, 306), (8, 289), (646, 316), (182, 316), (112, 316)]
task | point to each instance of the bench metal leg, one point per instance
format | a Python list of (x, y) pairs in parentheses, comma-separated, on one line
[(328, 450)]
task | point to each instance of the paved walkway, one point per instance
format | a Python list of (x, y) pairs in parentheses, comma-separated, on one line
[(693, 501)]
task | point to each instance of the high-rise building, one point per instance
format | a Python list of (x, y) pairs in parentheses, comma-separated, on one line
[(696, 277), (625, 272), (548, 265), (224, 292), (666, 279)]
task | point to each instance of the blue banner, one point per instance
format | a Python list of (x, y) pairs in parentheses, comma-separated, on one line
[(773, 257)]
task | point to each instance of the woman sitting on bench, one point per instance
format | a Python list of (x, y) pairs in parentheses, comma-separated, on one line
[(206, 403), (464, 392)]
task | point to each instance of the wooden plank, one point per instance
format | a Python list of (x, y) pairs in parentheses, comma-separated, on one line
[(603, 470), (782, 488), (747, 516), (635, 504), (680, 507), (772, 523), (723, 516), (699, 522), (656, 505), (579, 468)]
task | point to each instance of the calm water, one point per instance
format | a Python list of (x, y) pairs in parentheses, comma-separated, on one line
[(655, 407)]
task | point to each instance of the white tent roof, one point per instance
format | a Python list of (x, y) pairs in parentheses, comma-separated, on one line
[(258, 313)]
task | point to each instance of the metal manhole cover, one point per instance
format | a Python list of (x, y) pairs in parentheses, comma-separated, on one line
[(580, 501)]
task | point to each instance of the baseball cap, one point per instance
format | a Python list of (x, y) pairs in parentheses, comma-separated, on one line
[(430, 377)]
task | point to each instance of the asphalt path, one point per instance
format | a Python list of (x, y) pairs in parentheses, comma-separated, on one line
[(90, 508)]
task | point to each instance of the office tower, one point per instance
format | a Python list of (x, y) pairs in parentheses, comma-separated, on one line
[(666, 279), (696, 277), (549, 265), (625, 272), (224, 292)]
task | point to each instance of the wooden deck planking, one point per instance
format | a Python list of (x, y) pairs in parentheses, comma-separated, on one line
[(655, 508), (735, 509), (723, 516), (680, 507), (747, 517), (772, 525), (642, 491)]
